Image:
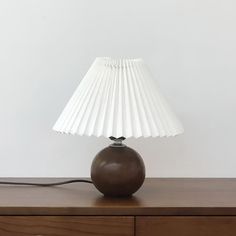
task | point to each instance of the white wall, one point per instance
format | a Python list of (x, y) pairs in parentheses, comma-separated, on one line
[(46, 46)]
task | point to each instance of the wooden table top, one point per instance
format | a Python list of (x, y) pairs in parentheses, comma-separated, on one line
[(158, 196)]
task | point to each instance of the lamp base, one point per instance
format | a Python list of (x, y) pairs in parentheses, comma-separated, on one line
[(117, 170)]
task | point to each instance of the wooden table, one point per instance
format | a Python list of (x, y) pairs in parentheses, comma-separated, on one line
[(163, 207)]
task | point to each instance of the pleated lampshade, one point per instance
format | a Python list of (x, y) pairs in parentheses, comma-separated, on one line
[(118, 98)]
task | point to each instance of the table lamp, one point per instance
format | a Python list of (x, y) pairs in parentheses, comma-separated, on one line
[(118, 99)]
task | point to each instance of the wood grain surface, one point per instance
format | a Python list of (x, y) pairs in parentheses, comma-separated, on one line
[(186, 226), (66, 226), (156, 197)]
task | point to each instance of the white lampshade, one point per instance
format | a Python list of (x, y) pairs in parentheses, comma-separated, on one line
[(118, 98)]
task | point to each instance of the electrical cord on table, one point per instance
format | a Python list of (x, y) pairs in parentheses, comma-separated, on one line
[(47, 184)]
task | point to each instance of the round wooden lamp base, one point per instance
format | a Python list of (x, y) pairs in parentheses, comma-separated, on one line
[(118, 171)]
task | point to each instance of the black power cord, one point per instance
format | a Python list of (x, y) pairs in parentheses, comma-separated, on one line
[(47, 184)]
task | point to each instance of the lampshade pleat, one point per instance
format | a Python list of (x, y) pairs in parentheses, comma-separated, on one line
[(127, 105), (137, 125), (158, 110), (118, 98), (143, 111), (65, 118), (108, 113), (97, 113), (89, 111), (150, 107)]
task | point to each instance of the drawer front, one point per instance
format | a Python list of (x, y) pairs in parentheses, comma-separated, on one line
[(186, 226), (66, 226)]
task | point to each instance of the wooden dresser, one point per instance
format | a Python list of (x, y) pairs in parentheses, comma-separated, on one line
[(163, 207)]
